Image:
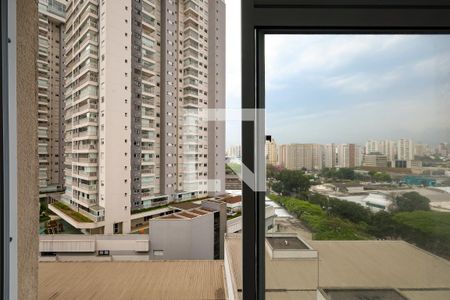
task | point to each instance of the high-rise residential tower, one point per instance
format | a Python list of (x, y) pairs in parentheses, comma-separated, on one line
[(349, 155), (386, 147), (50, 72), (301, 156), (139, 77), (329, 155), (271, 151), (405, 149)]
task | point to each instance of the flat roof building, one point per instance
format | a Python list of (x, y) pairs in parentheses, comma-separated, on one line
[(352, 268), (193, 233), (132, 280)]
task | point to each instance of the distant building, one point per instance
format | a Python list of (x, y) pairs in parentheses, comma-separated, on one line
[(386, 147), (234, 152), (349, 155), (301, 156), (443, 149), (405, 149), (375, 160), (414, 164), (271, 151), (329, 156), (420, 149), (195, 233), (419, 180), (399, 163)]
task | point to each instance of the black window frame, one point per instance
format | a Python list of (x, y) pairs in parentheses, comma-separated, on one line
[(261, 17)]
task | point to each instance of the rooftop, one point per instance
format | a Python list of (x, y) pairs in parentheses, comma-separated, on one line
[(286, 243), (184, 205), (187, 214), (358, 294), (418, 274), (232, 200), (132, 280)]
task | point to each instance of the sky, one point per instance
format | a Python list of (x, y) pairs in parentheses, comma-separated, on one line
[(347, 88)]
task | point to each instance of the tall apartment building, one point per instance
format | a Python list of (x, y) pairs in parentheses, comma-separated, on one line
[(49, 65), (271, 151), (329, 155), (386, 147), (138, 75), (301, 156), (234, 152), (405, 149), (349, 156)]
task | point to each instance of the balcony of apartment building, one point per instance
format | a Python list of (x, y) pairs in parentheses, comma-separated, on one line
[(190, 91), (190, 43), (148, 23), (148, 90), (148, 136), (76, 214), (191, 24), (88, 119), (88, 92), (147, 101), (190, 52), (89, 10), (148, 124), (147, 159), (150, 170), (148, 43), (80, 71), (84, 147), (191, 9), (147, 147), (148, 77), (42, 132), (147, 113), (90, 133), (87, 173), (90, 37), (85, 107)]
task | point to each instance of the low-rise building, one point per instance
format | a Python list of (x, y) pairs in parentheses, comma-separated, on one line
[(375, 160), (193, 233), (367, 269)]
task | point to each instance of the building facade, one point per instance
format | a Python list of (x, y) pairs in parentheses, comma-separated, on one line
[(375, 160), (405, 149), (196, 233), (329, 155), (386, 147), (349, 156), (271, 151), (301, 156), (50, 72), (138, 77)]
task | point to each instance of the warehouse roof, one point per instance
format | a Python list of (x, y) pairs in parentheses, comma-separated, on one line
[(353, 264), (132, 280)]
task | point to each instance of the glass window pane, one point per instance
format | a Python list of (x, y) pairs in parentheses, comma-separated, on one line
[(358, 157)]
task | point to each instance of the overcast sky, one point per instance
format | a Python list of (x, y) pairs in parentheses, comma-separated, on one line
[(347, 88)]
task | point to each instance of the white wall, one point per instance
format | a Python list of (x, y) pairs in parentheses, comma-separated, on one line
[(115, 153)]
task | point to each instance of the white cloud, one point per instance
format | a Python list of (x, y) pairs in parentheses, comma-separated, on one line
[(290, 55)]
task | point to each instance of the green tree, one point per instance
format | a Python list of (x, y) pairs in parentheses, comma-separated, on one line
[(382, 225), (351, 211), (412, 201), (291, 182)]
